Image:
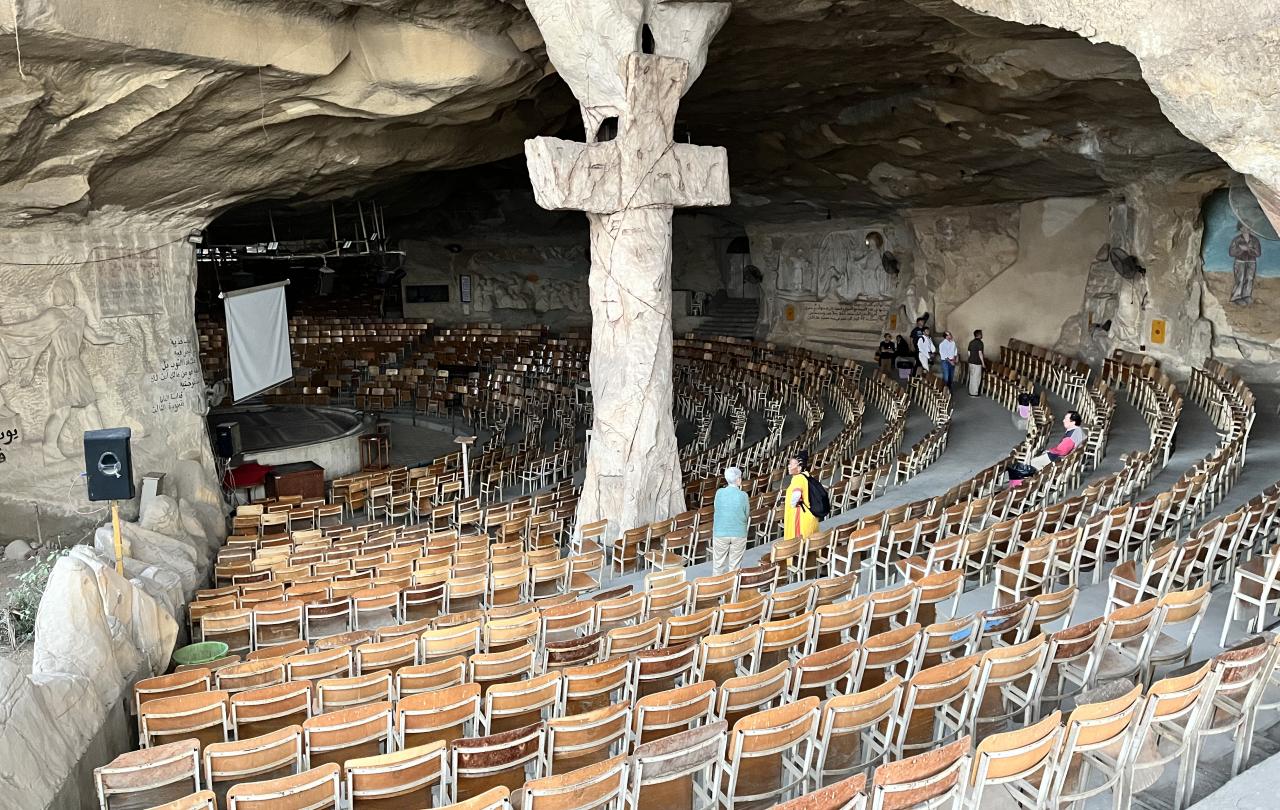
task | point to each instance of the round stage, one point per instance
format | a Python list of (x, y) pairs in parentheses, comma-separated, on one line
[(283, 434)]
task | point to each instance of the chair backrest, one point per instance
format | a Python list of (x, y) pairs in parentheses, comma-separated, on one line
[(361, 731), (512, 705), (889, 653), (847, 794), (790, 730), (172, 685), (664, 713), (333, 694), (504, 759), (447, 713), (694, 754), (924, 780), (316, 789), (407, 778), (602, 785), (1018, 755), (149, 776), (825, 673), (726, 655), (260, 711), (204, 716), (664, 668), (269, 756), (585, 739), (746, 694)]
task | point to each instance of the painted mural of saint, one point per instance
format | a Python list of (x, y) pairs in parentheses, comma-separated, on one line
[(1245, 249)]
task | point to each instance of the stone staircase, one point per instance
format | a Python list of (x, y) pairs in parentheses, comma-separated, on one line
[(735, 317)]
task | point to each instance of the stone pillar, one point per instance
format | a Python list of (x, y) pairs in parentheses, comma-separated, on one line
[(628, 180)]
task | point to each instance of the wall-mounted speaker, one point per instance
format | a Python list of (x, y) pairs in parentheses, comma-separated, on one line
[(108, 465)]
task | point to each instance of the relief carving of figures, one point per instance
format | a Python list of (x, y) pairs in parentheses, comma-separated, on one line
[(59, 332), (850, 269)]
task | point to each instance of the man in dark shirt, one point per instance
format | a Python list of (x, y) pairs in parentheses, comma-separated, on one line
[(886, 353), (916, 332), (977, 359)]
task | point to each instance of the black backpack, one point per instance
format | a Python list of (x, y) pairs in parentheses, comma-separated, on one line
[(819, 500)]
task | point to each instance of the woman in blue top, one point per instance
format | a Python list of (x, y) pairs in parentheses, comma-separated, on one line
[(729, 527)]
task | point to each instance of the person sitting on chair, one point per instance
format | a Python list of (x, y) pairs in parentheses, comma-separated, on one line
[(1071, 440)]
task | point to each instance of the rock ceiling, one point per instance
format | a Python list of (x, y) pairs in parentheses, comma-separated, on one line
[(185, 108)]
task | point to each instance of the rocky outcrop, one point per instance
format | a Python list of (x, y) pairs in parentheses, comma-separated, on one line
[(1215, 68)]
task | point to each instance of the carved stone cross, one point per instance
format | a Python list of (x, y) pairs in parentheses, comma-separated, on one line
[(628, 186)]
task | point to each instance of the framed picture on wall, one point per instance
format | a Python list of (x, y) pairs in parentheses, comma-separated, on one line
[(464, 288)]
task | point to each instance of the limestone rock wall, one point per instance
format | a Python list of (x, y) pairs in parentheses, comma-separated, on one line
[(97, 330), (1214, 67)]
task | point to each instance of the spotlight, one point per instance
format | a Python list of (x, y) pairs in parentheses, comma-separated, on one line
[(196, 237)]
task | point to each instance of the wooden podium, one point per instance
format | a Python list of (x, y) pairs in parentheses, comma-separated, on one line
[(305, 478)]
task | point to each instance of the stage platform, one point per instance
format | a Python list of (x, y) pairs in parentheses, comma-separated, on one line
[(282, 434)]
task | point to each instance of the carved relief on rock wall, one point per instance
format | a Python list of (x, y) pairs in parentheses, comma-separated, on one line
[(537, 280), (838, 265)]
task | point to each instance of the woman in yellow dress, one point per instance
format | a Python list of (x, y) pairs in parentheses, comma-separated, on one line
[(799, 521)]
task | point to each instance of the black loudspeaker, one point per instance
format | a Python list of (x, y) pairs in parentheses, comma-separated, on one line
[(107, 464), (226, 439)]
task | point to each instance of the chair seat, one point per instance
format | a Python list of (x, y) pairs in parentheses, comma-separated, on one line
[(582, 582), (1168, 648)]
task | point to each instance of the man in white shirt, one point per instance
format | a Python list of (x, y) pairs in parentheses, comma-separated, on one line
[(949, 352), (925, 350)]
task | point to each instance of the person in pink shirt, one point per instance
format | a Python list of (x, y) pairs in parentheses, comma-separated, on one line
[(1071, 440)]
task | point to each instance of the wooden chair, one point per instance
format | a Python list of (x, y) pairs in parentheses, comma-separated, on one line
[(746, 694), (1172, 713), (433, 675), (786, 639), (621, 611), (250, 675), (825, 673), (149, 777), (628, 639), (506, 759), (414, 777), (514, 705), (503, 667), (932, 779), (361, 731), (728, 655), (1241, 676), (1022, 762), (664, 713), (936, 706), (1010, 682), (392, 655), (203, 716), (274, 755), (586, 739), (334, 694), (171, 685), (323, 664), (856, 731), (594, 686), (448, 713), (886, 654), (255, 712), (447, 642), (665, 668), (840, 622), (316, 789), (602, 785), (769, 753), (492, 799), (678, 770), (1097, 739)]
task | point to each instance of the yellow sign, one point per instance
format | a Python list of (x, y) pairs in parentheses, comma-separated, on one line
[(1157, 331), (790, 312), (893, 322)]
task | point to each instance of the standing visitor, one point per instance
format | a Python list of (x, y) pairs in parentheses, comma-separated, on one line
[(914, 336), (798, 520), (925, 350), (904, 359), (977, 359), (1245, 249), (885, 354), (950, 354), (729, 526)]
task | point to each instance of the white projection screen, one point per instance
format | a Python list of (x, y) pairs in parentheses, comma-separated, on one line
[(258, 339)]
